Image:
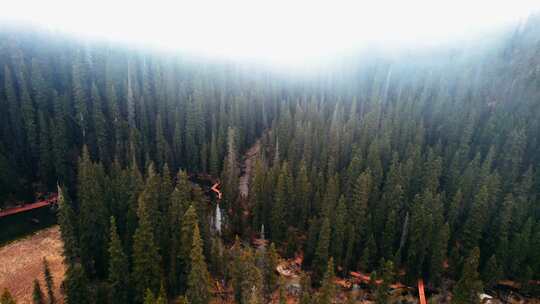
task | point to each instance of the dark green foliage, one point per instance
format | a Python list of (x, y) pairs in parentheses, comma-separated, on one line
[(328, 287), (93, 216), (360, 199), (149, 297), (37, 295), (118, 268), (492, 272), (475, 223), (416, 161), (198, 291), (468, 288), (179, 204), (279, 208), (68, 226), (182, 300), (189, 221), (49, 282), (338, 231), (146, 259), (76, 286), (322, 253), (270, 277), (387, 276), (162, 296)]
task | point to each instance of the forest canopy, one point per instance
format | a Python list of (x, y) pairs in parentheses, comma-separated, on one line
[(426, 163)]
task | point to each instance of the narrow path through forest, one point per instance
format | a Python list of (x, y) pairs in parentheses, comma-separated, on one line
[(247, 167)]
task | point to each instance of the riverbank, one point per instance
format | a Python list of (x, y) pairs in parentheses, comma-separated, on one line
[(18, 226)]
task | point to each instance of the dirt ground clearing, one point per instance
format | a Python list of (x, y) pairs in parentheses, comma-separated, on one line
[(22, 261)]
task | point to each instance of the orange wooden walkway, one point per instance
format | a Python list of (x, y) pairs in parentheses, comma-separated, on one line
[(27, 207), (216, 190), (421, 292)]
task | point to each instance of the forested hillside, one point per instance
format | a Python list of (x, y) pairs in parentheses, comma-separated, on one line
[(424, 165)]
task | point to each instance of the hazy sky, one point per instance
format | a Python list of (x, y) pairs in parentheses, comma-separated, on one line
[(280, 31)]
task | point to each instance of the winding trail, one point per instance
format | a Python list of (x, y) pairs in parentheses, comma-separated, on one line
[(247, 168)]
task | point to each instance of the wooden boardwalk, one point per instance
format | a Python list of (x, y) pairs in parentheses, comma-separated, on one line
[(27, 207)]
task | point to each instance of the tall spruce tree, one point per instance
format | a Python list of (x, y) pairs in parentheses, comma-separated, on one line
[(146, 273), (189, 222), (320, 263), (76, 286), (198, 291), (37, 295), (93, 218), (68, 226), (328, 287), (118, 268), (49, 282), (468, 288), (387, 276)]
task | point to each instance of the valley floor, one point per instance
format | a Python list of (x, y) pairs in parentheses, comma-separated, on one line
[(22, 261)]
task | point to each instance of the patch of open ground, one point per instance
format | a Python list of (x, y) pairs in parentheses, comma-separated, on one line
[(249, 162), (22, 261)]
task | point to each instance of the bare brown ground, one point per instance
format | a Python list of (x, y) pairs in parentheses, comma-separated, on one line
[(22, 261), (249, 162)]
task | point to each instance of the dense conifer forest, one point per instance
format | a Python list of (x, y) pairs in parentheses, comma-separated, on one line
[(402, 166)]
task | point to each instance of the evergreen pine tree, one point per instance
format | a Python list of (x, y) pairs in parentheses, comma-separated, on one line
[(229, 176), (93, 216), (179, 203), (37, 294), (189, 221), (360, 197), (67, 221), (28, 111), (162, 296), (182, 300), (198, 291), (279, 213), (257, 195), (387, 276), (369, 254), (302, 195), (338, 231), (320, 263), (146, 259), (492, 272), (468, 288), (80, 93), (100, 127), (271, 260), (328, 287), (439, 249), (149, 297), (76, 286), (49, 282), (118, 268), (473, 227), (46, 159)]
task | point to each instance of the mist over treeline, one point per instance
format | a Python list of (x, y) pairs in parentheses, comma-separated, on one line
[(428, 159)]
